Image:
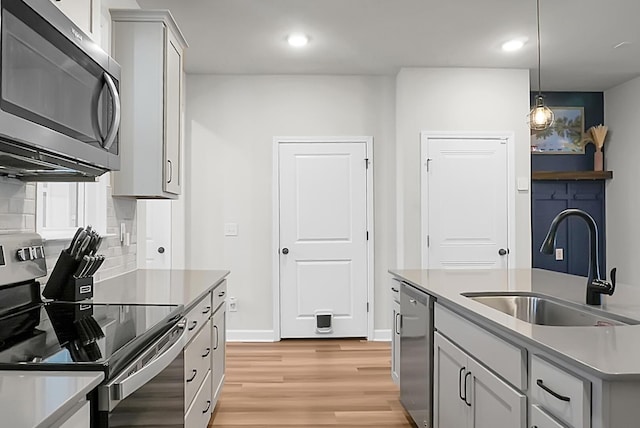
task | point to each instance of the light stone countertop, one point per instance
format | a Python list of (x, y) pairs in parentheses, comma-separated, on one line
[(32, 399), (178, 287), (608, 352)]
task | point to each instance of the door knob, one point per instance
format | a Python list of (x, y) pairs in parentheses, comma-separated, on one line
[(161, 250), (285, 251), (503, 252)]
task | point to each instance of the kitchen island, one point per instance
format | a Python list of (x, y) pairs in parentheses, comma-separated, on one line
[(547, 376)]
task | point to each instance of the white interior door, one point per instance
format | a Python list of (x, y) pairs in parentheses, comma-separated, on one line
[(158, 234), (465, 203), (323, 238)]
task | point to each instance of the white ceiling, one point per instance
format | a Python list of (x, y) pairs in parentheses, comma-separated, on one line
[(381, 36)]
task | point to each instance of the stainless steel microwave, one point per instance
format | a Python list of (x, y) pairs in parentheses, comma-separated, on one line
[(59, 100)]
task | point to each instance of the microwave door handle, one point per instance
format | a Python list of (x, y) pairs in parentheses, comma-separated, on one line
[(115, 104), (119, 389)]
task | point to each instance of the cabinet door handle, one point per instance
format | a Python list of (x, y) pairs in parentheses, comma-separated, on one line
[(170, 171), (195, 373), (207, 354), (216, 347), (398, 318), (193, 325), (466, 376), (206, 310), (208, 407), (552, 392), (460, 385)]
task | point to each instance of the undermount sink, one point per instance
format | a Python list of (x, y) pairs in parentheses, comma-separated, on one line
[(543, 310)]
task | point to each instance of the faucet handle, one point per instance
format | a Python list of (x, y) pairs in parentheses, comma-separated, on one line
[(612, 278)]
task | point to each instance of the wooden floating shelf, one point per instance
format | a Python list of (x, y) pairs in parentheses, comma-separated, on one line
[(571, 175)]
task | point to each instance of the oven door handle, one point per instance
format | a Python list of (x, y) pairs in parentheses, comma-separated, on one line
[(125, 385), (115, 104)]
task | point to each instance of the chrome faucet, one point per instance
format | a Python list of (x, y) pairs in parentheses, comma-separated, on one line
[(595, 284)]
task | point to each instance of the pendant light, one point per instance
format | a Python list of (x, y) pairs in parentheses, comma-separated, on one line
[(540, 117)]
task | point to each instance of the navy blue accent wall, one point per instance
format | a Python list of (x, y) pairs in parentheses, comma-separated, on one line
[(548, 198), (593, 103)]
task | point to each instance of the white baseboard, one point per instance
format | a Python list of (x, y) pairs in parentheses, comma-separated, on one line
[(383, 335), (250, 335)]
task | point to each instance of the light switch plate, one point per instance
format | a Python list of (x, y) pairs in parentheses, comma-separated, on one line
[(231, 229), (559, 254), (523, 183)]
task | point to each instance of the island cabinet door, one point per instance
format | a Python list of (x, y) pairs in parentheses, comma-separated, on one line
[(449, 368), (468, 395), (493, 403)]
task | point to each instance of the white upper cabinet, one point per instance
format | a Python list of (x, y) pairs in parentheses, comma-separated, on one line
[(149, 46), (84, 13)]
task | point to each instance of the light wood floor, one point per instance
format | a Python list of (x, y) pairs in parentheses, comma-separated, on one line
[(309, 383)]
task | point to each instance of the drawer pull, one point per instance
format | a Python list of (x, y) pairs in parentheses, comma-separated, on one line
[(208, 407), (552, 392), (207, 354), (206, 310), (395, 290), (460, 385), (195, 373), (468, 374), (193, 325), (221, 294)]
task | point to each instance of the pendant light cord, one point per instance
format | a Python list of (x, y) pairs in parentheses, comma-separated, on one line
[(539, 70)]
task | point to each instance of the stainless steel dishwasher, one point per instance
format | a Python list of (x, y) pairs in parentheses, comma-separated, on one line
[(416, 355)]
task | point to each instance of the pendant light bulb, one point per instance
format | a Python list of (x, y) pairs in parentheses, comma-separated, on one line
[(541, 117)]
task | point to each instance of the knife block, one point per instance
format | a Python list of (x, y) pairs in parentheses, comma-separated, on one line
[(61, 278), (77, 289)]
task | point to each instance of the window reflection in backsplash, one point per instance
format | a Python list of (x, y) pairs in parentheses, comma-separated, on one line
[(17, 214)]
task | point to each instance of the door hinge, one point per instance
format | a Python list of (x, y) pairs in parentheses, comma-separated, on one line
[(366, 163), (367, 306)]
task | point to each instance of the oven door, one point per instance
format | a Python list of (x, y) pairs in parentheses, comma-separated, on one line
[(53, 93), (150, 390)]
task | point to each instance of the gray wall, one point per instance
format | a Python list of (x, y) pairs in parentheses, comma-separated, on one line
[(230, 125), (622, 156), (458, 99)]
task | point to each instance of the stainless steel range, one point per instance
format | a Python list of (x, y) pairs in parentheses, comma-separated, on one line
[(138, 347)]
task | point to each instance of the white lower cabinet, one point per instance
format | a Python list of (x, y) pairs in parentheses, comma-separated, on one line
[(468, 395), (218, 356), (395, 343), (199, 413), (539, 419)]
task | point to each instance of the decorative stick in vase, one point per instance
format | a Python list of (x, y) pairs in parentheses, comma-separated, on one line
[(598, 134)]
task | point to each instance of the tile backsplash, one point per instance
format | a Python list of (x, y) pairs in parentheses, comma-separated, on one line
[(18, 211)]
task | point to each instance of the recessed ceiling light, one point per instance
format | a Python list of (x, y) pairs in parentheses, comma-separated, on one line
[(297, 40), (513, 45)]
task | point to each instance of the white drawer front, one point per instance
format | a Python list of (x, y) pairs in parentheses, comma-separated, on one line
[(197, 362), (199, 414), (561, 393), (505, 359), (539, 419), (219, 294), (198, 316)]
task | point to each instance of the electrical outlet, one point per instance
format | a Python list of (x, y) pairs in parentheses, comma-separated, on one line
[(232, 304), (559, 254)]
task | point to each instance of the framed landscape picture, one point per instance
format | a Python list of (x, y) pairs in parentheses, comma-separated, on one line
[(565, 136)]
